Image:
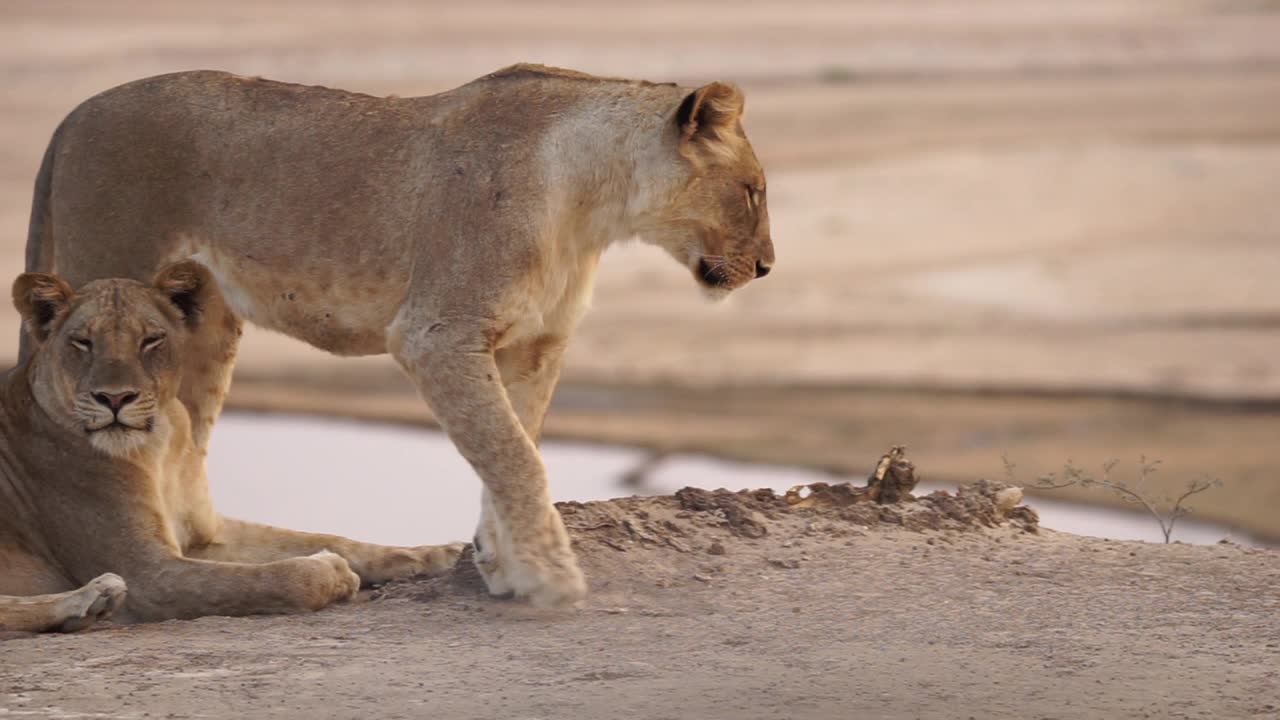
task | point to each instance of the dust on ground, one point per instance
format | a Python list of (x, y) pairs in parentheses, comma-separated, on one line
[(745, 605)]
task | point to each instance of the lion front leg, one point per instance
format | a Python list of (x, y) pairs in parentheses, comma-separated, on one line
[(529, 371), (246, 542), (180, 587), (64, 612), (453, 365)]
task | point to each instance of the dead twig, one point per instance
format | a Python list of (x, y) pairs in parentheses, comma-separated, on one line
[(1138, 495)]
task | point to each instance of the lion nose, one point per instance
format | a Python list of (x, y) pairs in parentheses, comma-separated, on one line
[(115, 401), (763, 268)]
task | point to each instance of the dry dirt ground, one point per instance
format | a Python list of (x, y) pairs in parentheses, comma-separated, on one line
[(1072, 199), (718, 605)]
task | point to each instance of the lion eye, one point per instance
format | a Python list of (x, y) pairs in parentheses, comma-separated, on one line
[(81, 344), (152, 342), (753, 197)]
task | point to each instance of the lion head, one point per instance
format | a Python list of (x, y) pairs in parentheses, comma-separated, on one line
[(713, 218), (108, 355)]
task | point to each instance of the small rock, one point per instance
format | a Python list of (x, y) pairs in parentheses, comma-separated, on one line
[(715, 548), (785, 563), (1007, 499), (701, 578)]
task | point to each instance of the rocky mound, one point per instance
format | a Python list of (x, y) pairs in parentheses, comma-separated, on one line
[(629, 544)]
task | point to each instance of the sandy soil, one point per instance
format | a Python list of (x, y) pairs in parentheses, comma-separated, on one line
[(1004, 196), (719, 605)]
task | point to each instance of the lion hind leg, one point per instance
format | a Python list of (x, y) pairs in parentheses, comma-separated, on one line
[(64, 612)]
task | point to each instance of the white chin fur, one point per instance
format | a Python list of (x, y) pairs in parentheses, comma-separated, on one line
[(715, 295), (120, 443)]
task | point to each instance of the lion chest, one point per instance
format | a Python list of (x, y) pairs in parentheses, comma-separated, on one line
[(555, 300)]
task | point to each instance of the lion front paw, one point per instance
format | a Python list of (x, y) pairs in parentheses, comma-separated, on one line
[(552, 581), (545, 572), (98, 600), (485, 557), (345, 584)]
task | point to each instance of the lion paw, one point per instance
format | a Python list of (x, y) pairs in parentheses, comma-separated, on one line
[(98, 600), (439, 559), (387, 564), (550, 578), (485, 558), (347, 583), (549, 582)]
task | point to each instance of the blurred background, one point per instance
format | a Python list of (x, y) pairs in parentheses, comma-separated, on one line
[(1041, 230)]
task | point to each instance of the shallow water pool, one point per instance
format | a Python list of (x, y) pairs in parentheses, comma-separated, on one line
[(407, 486)]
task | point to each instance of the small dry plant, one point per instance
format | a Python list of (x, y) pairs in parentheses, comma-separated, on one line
[(1166, 510)]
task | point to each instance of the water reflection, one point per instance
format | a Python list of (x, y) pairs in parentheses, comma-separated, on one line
[(407, 486)]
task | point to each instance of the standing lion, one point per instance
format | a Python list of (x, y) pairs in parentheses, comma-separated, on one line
[(458, 232)]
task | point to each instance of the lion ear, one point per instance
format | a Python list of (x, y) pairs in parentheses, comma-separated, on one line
[(709, 112), (41, 299), (188, 285)]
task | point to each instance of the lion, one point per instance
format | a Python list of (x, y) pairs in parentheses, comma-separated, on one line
[(458, 232), (102, 470)]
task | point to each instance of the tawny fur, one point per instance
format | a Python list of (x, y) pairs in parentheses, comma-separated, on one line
[(104, 495), (459, 232)]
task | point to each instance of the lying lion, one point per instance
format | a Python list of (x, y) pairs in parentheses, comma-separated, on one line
[(458, 232), (102, 470)]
